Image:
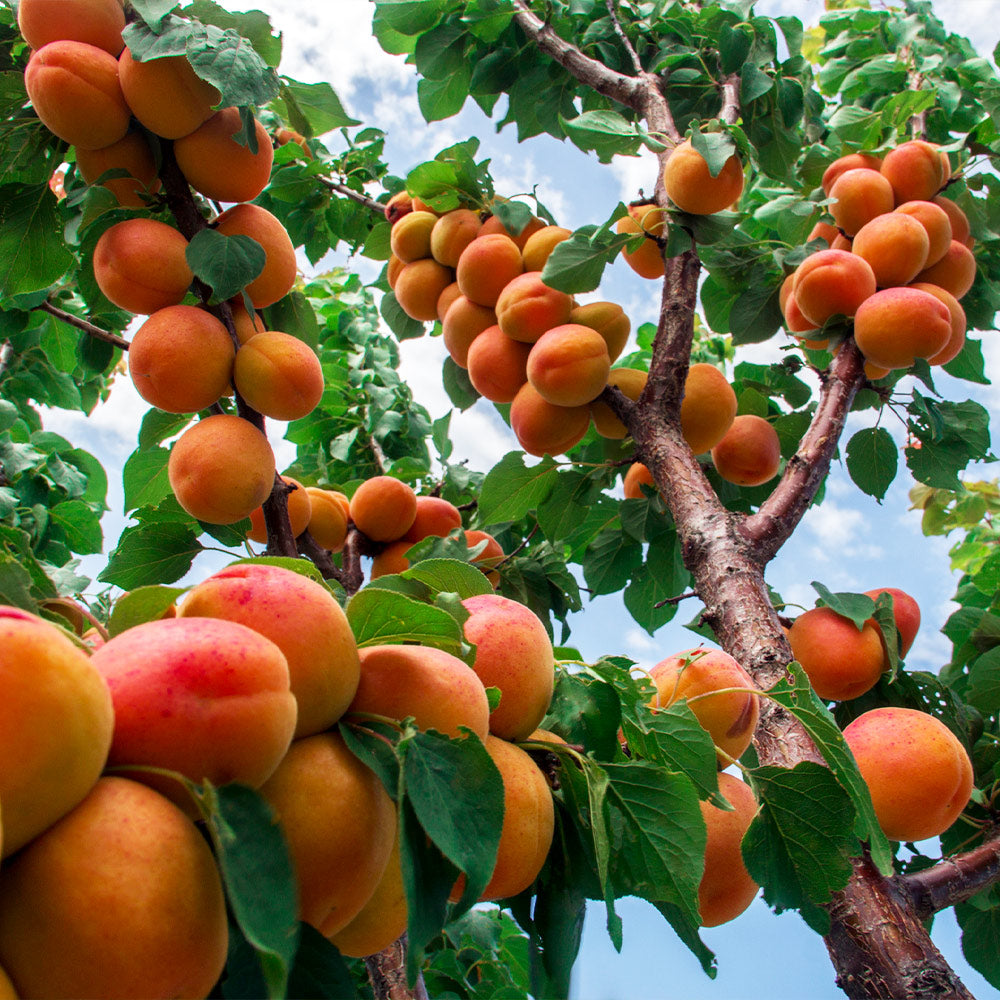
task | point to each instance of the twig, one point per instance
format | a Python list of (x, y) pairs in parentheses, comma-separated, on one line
[(953, 880), (387, 972), (81, 324), (620, 32), (730, 88), (675, 600), (358, 196), (6, 356), (319, 557), (510, 555), (377, 453)]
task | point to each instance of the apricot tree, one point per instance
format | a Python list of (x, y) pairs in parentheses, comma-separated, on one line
[(837, 182)]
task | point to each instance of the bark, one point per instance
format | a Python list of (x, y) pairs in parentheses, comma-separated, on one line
[(90, 329), (387, 974), (953, 880)]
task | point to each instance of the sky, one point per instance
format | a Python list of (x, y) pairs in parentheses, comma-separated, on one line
[(849, 543)]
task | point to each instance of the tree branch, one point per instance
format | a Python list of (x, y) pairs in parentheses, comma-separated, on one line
[(953, 880), (81, 324), (730, 88), (280, 540), (321, 558), (620, 32), (778, 516), (358, 196), (387, 973)]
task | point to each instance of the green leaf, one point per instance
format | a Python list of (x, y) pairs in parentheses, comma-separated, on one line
[(858, 607), (872, 460), (577, 264), (227, 264), (661, 576), (314, 108), (402, 325), (157, 426), (449, 576), (292, 314), (145, 478), (16, 584), (984, 682), (380, 617), (254, 25), (608, 134), (233, 66), (456, 381), (33, 254), (511, 489), (153, 12), (715, 148), (81, 525), (755, 315), (144, 604), (585, 711), (440, 99), (611, 560), (981, 938), (151, 554)]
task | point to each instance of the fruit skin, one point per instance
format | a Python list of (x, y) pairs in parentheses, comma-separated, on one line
[(631, 381), (730, 717), (498, 366), (74, 90), (279, 375), (708, 408), (131, 153), (936, 223), (451, 234), (647, 258), (494, 226), (896, 246), (340, 826), (392, 559), (410, 238), (569, 365), (691, 186), (544, 428), (540, 244), (328, 519), (513, 653), (56, 722), (205, 697), (418, 287), (181, 359), (954, 272), (726, 888), (905, 612), (860, 195), (397, 206), (435, 516), (919, 774), (464, 321), (299, 512), (96, 22), (219, 167), (436, 688), (383, 508), (303, 619), (527, 308), (850, 161), (832, 282), (140, 265), (486, 266), (956, 340), (280, 266), (490, 556), (750, 453), (841, 661), (609, 320), (915, 171), (897, 325), (124, 861), (637, 475), (221, 468)]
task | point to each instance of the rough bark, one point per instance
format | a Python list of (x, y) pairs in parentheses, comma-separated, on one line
[(387, 974)]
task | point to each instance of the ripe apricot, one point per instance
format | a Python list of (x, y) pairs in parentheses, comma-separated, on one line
[(451, 234), (726, 888), (384, 508), (935, 221), (897, 325), (540, 244), (954, 272), (527, 308), (841, 660), (498, 366), (392, 268), (860, 195), (410, 238), (749, 453), (918, 773), (278, 375), (708, 407), (956, 340), (830, 283), (280, 266), (914, 170), (704, 678), (221, 469), (569, 365), (444, 301), (391, 560), (96, 22), (905, 612), (486, 266), (131, 153), (397, 206), (895, 245), (823, 231), (218, 166), (692, 187), (166, 94), (299, 513), (437, 689), (493, 225), (462, 324), (959, 220), (631, 381), (419, 285), (850, 161), (435, 516), (647, 258), (181, 359), (637, 476), (74, 90), (140, 265), (544, 428), (609, 320), (247, 324), (329, 517), (490, 556)]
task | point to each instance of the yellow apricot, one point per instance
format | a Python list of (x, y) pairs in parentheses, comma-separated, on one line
[(299, 513), (278, 375), (131, 153), (540, 245), (609, 320), (631, 381), (708, 407), (749, 454), (451, 234), (647, 259), (280, 266), (96, 22), (569, 365), (691, 186), (419, 285), (383, 508), (410, 238), (328, 519), (485, 267), (637, 476)]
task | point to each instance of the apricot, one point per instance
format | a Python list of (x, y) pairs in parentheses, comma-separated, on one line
[(166, 94), (831, 283), (954, 272), (491, 555), (384, 508), (444, 301), (527, 308), (544, 428), (140, 265), (823, 231), (96, 22), (410, 238), (959, 220), (631, 381), (609, 320), (692, 187), (181, 359), (905, 613), (451, 234), (726, 888), (437, 689), (218, 166), (636, 477), (859, 196), (278, 375), (493, 226), (850, 161), (914, 170), (935, 221), (486, 266), (303, 619), (795, 320), (898, 325), (339, 823), (392, 269), (280, 267), (540, 244), (708, 408), (392, 559), (56, 722), (841, 660), (647, 258), (299, 512), (202, 696), (435, 516), (131, 153), (246, 324), (514, 654), (569, 365), (896, 246), (956, 341), (124, 861), (749, 453), (7, 991), (704, 678), (918, 773), (397, 206), (419, 285), (74, 90), (498, 366), (221, 468), (462, 324), (327, 519)]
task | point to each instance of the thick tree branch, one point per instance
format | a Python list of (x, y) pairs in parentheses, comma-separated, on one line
[(778, 516), (953, 880), (321, 558), (280, 540), (387, 973), (620, 32), (81, 324)]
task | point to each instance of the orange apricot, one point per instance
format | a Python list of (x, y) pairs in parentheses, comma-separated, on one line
[(486, 266), (540, 245), (631, 381), (954, 272), (391, 560), (850, 161), (959, 220), (393, 268), (895, 245), (749, 453), (419, 285), (96, 22), (708, 407), (246, 324), (905, 613), (328, 518), (544, 428), (609, 320), (498, 366), (830, 283), (569, 365), (410, 238), (956, 341), (898, 325), (637, 476), (278, 375), (935, 221), (397, 206), (527, 307), (859, 196), (444, 301), (384, 508), (493, 225), (131, 153), (490, 556), (647, 258), (462, 325), (280, 266), (451, 234), (435, 516), (914, 170), (823, 231), (299, 512), (693, 188)]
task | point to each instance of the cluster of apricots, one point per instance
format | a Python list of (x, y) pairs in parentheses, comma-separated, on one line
[(244, 681), (900, 259), (87, 88)]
